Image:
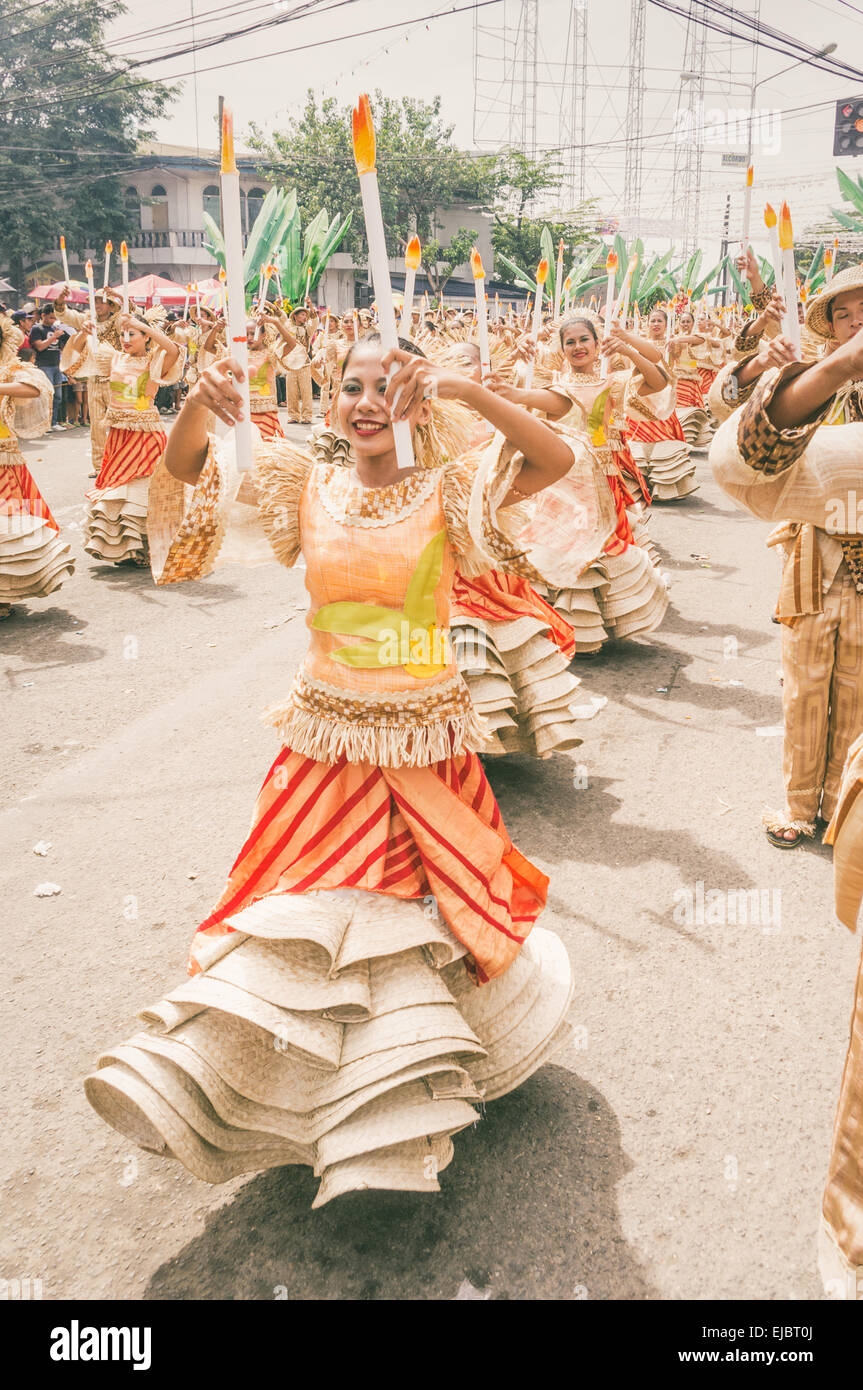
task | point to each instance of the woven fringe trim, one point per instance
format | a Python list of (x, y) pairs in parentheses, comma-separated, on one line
[(412, 745), (771, 820), (147, 421)]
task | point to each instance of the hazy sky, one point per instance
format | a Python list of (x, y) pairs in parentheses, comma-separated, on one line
[(266, 75)]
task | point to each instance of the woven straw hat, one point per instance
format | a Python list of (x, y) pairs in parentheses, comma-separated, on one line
[(816, 310)]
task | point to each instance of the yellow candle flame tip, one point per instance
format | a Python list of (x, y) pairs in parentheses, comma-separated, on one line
[(769, 216)]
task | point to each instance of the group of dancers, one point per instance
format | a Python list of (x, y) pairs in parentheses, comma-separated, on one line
[(372, 970)]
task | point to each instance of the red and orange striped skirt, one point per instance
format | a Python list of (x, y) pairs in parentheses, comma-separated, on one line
[(497, 597), (129, 454), (655, 431), (408, 832), (268, 423), (19, 494), (689, 394), (706, 378)]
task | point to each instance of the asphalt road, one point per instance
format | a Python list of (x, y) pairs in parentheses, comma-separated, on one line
[(677, 1150)]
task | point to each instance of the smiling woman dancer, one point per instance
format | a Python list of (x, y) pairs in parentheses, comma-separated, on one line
[(622, 593), (370, 969)]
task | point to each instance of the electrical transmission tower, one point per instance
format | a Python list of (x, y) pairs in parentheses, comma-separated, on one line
[(689, 131), (635, 110), (529, 100)]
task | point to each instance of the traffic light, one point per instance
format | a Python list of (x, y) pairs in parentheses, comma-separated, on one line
[(848, 127)]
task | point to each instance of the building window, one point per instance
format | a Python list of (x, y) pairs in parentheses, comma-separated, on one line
[(254, 202), (159, 202), (212, 203), (132, 204)]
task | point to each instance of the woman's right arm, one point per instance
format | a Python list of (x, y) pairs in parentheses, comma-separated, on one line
[(186, 450), (551, 402)]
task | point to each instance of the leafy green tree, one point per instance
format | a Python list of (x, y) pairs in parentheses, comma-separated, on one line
[(518, 184), (72, 115), (441, 262), (419, 167)]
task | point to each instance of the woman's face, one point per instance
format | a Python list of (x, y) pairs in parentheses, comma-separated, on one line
[(847, 315), (579, 346), (687, 323), (134, 341), (363, 413), (656, 324)]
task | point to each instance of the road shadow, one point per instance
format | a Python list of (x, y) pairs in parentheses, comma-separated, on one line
[(527, 1210), (39, 635), (584, 826), (138, 579)]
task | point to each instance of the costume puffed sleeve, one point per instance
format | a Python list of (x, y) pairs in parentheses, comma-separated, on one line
[(553, 536), (726, 393), (71, 318), (228, 517), (281, 472), (31, 416), (482, 534), (168, 376), (798, 474)]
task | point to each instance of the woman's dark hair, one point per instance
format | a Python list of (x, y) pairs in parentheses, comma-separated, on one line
[(372, 339), (573, 319)]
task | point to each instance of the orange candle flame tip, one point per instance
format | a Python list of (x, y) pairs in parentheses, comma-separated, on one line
[(786, 233), (542, 272), (363, 136), (229, 163), (413, 253), (611, 261), (750, 172), (476, 264), (769, 216)]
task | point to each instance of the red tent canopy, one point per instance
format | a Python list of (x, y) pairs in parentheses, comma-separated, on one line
[(155, 289), (77, 294)]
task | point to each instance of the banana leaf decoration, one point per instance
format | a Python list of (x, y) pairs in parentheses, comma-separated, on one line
[(269, 227), (851, 193), (276, 237), (382, 627), (298, 254), (597, 418)]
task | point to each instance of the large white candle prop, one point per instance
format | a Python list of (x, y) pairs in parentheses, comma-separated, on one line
[(481, 312), (413, 257), (536, 325), (124, 266), (747, 208), (364, 155), (91, 295), (789, 277), (775, 258), (232, 233), (611, 272), (558, 279)]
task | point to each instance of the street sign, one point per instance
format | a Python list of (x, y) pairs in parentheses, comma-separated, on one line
[(734, 161)]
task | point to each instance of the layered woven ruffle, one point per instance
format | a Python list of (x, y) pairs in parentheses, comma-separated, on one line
[(34, 561), (339, 1030), (115, 524)]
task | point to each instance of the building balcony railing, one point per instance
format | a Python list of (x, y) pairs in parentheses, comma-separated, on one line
[(151, 240)]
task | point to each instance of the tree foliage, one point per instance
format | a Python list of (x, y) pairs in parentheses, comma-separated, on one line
[(71, 117), (518, 184), (419, 167)]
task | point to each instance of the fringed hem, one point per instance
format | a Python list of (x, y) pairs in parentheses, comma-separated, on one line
[(775, 821), (385, 745)]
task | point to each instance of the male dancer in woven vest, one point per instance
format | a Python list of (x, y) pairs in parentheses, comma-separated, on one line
[(792, 455)]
